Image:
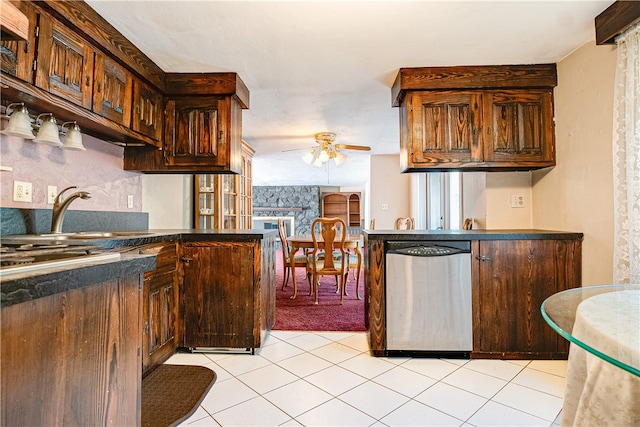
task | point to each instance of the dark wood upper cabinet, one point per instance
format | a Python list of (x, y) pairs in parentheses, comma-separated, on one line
[(476, 118), (112, 90), (444, 127), (202, 126), (147, 110), (64, 63), (521, 127), (17, 55), (76, 65), (195, 132)]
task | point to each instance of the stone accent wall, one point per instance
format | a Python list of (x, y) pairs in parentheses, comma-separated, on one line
[(304, 201)]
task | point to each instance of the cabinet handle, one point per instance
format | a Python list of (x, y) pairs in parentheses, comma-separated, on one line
[(482, 258), (220, 134), (146, 328), (88, 81), (27, 46), (99, 87), (186, 259)]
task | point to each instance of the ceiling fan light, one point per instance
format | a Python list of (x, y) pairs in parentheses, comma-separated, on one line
[(308, 158), (323, 156), (318, 163), (340, 158)]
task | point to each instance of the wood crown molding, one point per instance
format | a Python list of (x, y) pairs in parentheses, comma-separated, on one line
[(615, 20)]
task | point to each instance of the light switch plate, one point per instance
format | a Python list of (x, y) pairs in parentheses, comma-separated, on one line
[(130, 201), (52, 193)]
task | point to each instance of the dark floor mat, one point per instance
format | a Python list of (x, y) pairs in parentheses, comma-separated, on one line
[(171, 393)]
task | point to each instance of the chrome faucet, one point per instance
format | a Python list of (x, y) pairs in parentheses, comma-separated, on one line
[(60, 207)]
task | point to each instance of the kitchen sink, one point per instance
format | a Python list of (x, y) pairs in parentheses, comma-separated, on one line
[(80, 235), (53, 260)]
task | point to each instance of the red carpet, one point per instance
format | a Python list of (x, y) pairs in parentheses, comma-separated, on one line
[(301, 314)]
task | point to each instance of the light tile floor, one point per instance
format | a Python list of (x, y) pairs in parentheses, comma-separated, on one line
[(329, 379)]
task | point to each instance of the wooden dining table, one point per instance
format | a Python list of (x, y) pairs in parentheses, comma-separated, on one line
[(305, 241)]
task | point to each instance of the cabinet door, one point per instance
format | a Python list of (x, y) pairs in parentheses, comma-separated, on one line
[(220, 290), (113, 90), (519, 127), (230, 201), (147, 110), (160, 311), (444, 128), (195, 132), (511, 280), (16, 56), (65, 63), (207, 202)]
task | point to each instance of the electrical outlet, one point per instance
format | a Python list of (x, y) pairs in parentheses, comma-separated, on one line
[(22, 191), (385, 207), (517, 201), (52, 193), (130, 201)]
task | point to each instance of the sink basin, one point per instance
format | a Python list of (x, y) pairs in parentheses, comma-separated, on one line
[(53, 260), (81, 235)]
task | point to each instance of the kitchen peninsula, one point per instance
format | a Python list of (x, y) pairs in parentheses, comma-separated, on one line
[(512, 273), (85, 333)]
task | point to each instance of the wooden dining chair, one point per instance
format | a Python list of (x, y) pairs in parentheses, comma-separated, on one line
[(404, 224), (328, 235), (299, 260)]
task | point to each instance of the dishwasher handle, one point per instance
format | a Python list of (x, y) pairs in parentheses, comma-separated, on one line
[(424, 249)]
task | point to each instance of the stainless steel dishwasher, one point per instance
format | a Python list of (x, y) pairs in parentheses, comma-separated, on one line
[(428, 298)]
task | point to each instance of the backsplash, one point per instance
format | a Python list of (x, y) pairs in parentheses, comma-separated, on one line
[(97, 170), (33, 221)]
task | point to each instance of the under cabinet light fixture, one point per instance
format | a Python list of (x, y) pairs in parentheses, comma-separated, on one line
[(73, 137), (48, 132), (19, 122)]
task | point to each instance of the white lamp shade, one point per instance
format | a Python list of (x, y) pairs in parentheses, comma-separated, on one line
[(323, 156), (340, 158), (318, 163), (73, 138), (308, 158), (20, 124), (48, 133)]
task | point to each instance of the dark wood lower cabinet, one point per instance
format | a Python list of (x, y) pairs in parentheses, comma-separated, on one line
[(511, 279), (160, 304), (73, 358), (228, 293)]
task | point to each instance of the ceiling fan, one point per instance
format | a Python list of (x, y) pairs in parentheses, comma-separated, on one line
[(327, 150)]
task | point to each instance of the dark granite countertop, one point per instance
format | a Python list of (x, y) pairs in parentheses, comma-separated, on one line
[(25, 286), (22, 287), (518, 234)]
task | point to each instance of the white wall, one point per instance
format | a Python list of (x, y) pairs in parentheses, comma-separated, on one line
[(500, 186), (390, 187), (169, 200), (577, 194)]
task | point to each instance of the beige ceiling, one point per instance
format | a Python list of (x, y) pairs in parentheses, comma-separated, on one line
[(315, 66)]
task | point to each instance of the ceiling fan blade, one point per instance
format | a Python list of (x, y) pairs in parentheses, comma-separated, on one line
[(297, 149), (354, 147)]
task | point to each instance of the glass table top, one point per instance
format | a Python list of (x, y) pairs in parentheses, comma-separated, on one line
[(603, 320)]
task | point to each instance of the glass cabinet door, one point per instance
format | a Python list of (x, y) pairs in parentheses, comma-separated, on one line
[(230, 203), (205, 201)]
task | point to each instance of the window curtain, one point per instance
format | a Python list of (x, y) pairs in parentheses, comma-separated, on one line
[(626, 158)]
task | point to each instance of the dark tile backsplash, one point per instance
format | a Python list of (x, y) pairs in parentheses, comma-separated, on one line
[(34, 221)]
